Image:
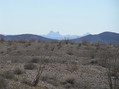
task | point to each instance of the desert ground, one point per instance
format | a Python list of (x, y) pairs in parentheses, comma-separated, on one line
[(58, 65)]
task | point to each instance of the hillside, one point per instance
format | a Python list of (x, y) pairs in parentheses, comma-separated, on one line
[(27, 37), (105, 37)]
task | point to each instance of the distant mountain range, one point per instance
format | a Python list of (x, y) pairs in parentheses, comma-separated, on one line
[(105, 37), (26, 37), (58, 36)]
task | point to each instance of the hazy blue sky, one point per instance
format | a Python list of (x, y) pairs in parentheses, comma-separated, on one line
[(66, 16)]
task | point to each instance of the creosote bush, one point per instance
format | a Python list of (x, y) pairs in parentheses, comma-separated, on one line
[(34, 60), (68, 79), (93, 61), (27, 82), (70, 51), (50, 79), (18, 71), (30, 66), (72, 68), (3, 83), (7, 74)]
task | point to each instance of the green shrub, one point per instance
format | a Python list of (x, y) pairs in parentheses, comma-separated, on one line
[(68, 85), (34, 60), (45, 77), (72, 68), (3, 83), (30, 66), (27, 82), (79, 45), (18, 71), (68, 80), (93, 61), (52, 82), (8, 74), (50, 79), (70, 51)]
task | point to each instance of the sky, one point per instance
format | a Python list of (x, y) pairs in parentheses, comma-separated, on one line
[(74, 17)]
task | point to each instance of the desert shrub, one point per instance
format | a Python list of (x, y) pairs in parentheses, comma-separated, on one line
[(59, 45), (79, 45), (34, 60), (26, 81), (68, 79), (9, 49), (46, 77), (30, 66), (10, 42), (50, 79), (27, 44), (21, 41), (92, 54), (32, 40), (72, 68), (68, 85), (2, 52), (93, 61), (52, 48), (66, 41), (73, 61), (70, 51), (3, 83), (52, 82), (8, 74), (18, 71), (46, 46), (102, 62)]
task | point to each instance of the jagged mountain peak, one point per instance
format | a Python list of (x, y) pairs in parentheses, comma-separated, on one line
[(52, 33), (58, 36)]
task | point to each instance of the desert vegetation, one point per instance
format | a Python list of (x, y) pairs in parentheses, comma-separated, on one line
[(58, 65)]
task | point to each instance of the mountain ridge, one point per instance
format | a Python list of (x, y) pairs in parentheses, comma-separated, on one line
[(104, 37), (26, 37)]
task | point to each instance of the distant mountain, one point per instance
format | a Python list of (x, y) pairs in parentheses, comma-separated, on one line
[(58, 36), (53, 35), (105, 37), (27, 37)]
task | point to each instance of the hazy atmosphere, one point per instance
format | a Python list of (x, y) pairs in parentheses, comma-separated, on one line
[(66, 16)]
